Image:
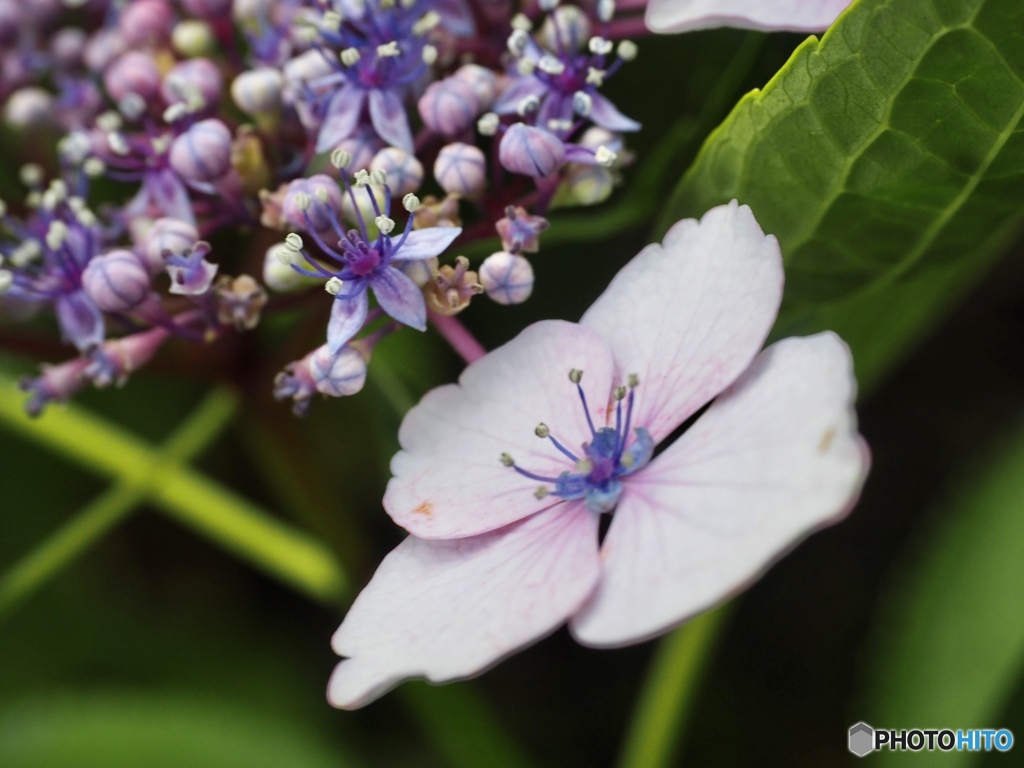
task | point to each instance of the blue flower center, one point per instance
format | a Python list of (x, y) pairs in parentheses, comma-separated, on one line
[(608, 457)]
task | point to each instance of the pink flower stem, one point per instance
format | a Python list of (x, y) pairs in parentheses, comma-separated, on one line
[(455, 333)]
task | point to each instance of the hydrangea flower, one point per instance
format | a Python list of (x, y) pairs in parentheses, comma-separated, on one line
[(503, 478), (667, 16)]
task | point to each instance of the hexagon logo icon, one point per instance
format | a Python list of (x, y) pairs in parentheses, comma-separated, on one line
[(862, 739)]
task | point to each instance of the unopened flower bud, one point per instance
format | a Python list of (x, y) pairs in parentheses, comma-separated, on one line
[(203, 152), (102, 48), (146, 22), (67, 46), (338, 374), (586, 185), (166, 236), (461, 169), (530, 151), (117, 281), (507, 278), (197, 83), (566, 29), (258, 91), (133, 72), (480, 80), (29, 107), (403, 172), (627, 50), (449, 106), (278, 274)]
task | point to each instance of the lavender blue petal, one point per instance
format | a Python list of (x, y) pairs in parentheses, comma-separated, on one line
[(606, 115), (426, 243), (81, 322), (341, 118), (400, 297), (347, 317), (508, 102), (389, 119)]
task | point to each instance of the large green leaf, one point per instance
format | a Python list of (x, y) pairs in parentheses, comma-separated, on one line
[(949, 647), (888, 158)]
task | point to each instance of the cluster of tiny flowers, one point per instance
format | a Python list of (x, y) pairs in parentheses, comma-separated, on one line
[(375, 137)]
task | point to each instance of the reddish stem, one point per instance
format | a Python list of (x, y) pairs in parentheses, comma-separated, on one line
[(455, 333)]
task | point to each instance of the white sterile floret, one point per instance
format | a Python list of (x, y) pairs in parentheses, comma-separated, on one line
[(388, 50), (385, 224), (550, 64), (340, 158), (334, 286), (605, 157), (582, 103), (349, 56), (411, 203), (294, 242), (429, 54), (627, 50), (488, 124), (600, 46)]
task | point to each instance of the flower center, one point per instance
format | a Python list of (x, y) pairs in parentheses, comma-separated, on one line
[(597, 475)]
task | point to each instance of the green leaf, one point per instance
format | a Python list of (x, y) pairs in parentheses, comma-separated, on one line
[(948, 647), (130, 730), (888, 158)]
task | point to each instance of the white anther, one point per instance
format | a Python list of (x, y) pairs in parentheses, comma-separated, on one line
[(109, 121), (49, 200), (33, 199), (548, 5), (161, 144), (575, 375), (285, 255), (58, 189), (600, 46), (582, 103), (132, 106), (542, 430), (605, 10), (321, 194), (595, 76), (31, 174), (388, 50), (6, 280), (334, 286), (429, 20), (529, 104), (550, 64), (349, 56), (541, 492), (526, 67), (76, 204), (56, 235), (305, 33), (507, 460), (175, 112), (384, 224), (557, 124), (429, 54), (94, 167), (605, 157), (26, 252), (75, 147), (362, 178), (293, 242), (331, 21), (303, 201), (340, 158), (117, 144), (411, 203), (633, 381), (518, 41), (86, 217), (379, 177), (521, 22), (488, 124), (627, 50)]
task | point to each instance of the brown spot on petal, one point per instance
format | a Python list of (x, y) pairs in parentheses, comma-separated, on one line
[(826, 440), (426, 508)]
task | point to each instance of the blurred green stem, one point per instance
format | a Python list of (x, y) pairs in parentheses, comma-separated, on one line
[(655, 734), (162, 477)]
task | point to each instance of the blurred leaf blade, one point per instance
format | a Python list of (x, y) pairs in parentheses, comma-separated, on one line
[(890, 150), (948, 649)]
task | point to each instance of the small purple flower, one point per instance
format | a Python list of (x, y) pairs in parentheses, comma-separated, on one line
[(191, 274), (519, 231), (360, 261), (56, 384)]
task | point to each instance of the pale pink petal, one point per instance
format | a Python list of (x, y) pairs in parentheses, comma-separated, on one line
[(774, 458), (688, 316), (449, 480), (446, 610), (666, 16)]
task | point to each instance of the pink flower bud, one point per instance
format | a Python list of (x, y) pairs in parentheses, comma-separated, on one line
[(461, 168), (203, 152), (507, 278), (310, 192), (116, 281), (29, 107), (132, 72), (258, 91), (340, 374), (146, 22), (530, 151), (449, 107), (196, 83), (404, 172), (166, 236), (481, 80)]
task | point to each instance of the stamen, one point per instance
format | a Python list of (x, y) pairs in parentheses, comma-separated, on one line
[(541, 492), (542, 431), (507, 460), (575, 375)]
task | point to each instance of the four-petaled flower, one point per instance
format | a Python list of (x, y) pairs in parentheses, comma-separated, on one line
[(503, 477)]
